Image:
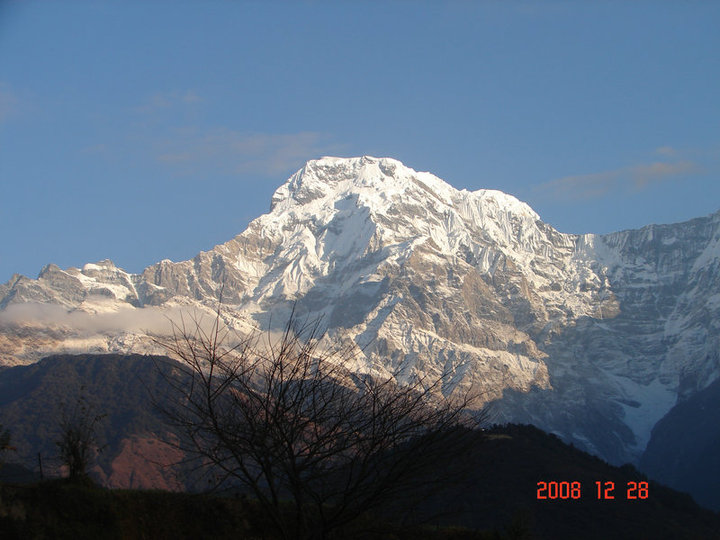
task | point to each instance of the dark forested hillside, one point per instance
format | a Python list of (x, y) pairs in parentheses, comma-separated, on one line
[(684, 450), (510, 466), (123, 389), (511, 460)]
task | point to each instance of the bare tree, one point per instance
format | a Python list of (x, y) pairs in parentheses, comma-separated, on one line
[(317, 446), (78, 439)]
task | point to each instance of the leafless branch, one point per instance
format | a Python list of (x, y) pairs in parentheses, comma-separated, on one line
[(316, 445)]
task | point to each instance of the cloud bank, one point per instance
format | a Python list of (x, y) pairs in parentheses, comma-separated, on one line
[(153, 320)]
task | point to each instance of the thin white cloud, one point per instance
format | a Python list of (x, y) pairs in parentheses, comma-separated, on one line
[(644, 175), (535, 9), (166, 100), (8, 101), (634, 178), (581, 187), (233, 152), (667, 151), (100, 148)]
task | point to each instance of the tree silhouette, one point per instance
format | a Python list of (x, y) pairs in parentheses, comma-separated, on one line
[(316, 445), (78, 438)]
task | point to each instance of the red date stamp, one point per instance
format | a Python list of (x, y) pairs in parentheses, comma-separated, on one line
[(603, 490)]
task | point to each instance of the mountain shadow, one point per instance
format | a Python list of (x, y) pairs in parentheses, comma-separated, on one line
[(684, 450)]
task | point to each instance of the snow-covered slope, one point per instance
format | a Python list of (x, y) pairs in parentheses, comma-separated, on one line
[(594, 337)]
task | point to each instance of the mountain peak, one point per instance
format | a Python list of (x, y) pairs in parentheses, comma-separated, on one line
[(593, 337), (330, 176), (378, 180)]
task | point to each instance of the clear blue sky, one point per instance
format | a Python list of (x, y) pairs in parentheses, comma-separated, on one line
[(139, 131)]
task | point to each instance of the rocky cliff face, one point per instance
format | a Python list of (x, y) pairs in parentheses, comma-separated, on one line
[(593, 337)]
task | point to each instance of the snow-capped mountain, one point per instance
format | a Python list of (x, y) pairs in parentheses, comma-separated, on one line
[(592, 337)]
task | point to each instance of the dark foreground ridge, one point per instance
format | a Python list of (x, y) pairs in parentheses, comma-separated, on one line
[(684, 451), (498, 499)]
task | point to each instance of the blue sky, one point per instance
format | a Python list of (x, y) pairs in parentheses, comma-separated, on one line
[(139, 131)]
